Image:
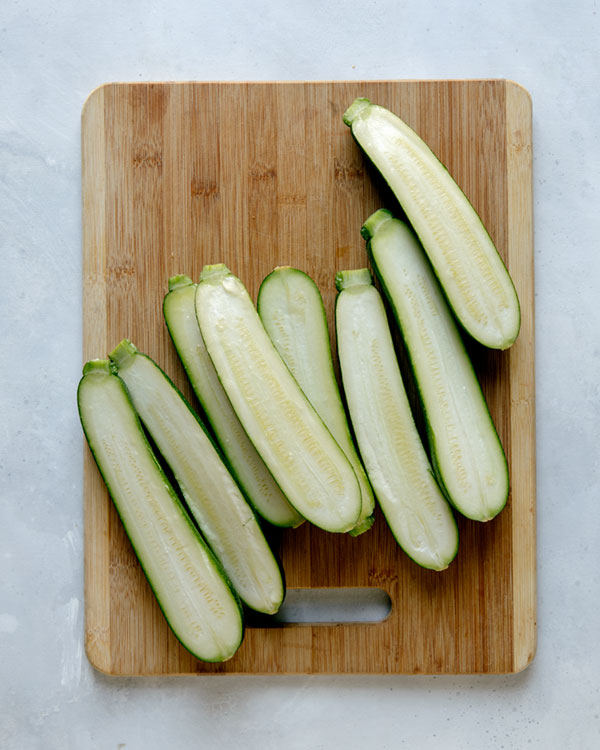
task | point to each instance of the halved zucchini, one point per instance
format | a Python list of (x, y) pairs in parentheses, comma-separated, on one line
[(292, 311), (212, 496), (466, 262), (244, 462), (414, 506), (298, 449), (190, 585), (466, 453)]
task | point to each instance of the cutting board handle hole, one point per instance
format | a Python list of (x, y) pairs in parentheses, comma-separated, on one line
[(327, 606)]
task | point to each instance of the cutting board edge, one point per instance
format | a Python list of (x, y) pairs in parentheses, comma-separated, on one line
[(519, 150), (101, 87)]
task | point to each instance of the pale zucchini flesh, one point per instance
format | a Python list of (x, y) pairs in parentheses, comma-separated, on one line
[(293, 441), (244, 462), (292, 311), (191, 588), (414, 506), (464, 257), (466, 452), (212, 496)]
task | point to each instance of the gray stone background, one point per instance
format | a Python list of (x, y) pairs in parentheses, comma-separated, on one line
[(51, 56)]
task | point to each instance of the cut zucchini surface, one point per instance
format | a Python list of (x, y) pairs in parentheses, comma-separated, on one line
[(212, 496), (291, 438), (292, 311), (466, 453), (415, 508), (466, 262), (245, 463), (190, 585)]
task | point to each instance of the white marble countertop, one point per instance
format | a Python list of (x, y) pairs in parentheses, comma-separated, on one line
[(52, 55)]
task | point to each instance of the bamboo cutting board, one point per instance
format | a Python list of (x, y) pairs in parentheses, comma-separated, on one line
[(177, 175)]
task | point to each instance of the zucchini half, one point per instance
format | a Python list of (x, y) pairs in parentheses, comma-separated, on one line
[(415, 508), (212, 496), (466, 452), (296, 446), (245, 464), (292, 311), (191, 588), (466, 262)]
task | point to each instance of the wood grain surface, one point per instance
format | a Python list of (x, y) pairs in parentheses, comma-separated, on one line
[(177, 175)]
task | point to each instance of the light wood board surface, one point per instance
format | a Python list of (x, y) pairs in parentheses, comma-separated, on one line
[(178, 175)]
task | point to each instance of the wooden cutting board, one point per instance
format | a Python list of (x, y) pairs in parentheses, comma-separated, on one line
[(177, 175)]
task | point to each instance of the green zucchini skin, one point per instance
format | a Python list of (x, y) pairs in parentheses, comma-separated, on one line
[(466, 453), (471, 272), (242, 459), (292, 311), (291, 438), (215, 501), (191, 588), (413, 504)]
